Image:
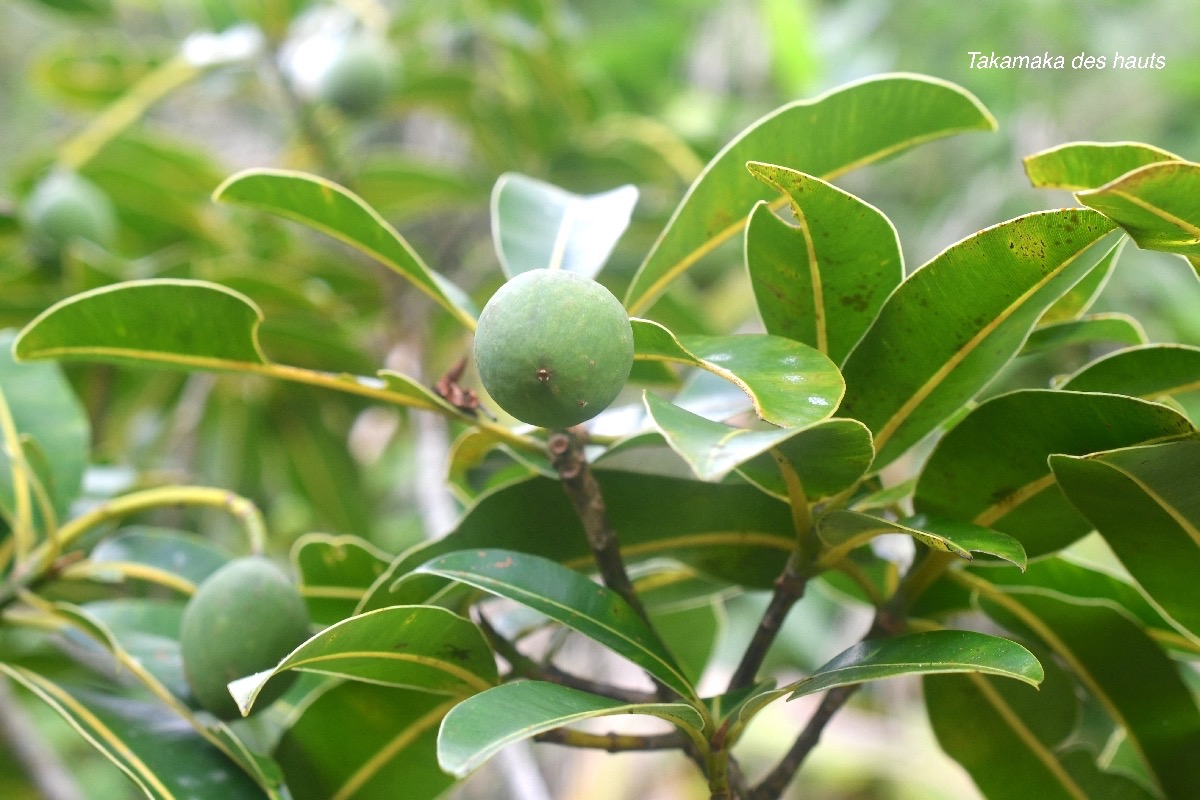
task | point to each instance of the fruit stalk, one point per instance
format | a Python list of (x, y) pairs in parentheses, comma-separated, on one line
[(569, 460)]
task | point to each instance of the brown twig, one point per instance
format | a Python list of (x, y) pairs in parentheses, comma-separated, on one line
[(789, 588), (569, 460), (526, 667)]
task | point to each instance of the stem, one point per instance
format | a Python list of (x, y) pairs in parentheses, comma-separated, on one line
[(613, 742), (23, 536), (777, 779), (789, 588), (888, 621), (125, 111), (569, 460), (526, 667)]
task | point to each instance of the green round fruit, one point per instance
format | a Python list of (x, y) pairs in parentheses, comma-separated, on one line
[(64, 207), (359, 78), (553, 348), (244, 618)]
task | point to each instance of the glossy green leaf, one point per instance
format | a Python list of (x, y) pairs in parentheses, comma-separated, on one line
[(789, 383), (335, 572), (187, 555), (1086, 165), (733, 532), (991, 468), (824, 137), (1144, 502), (926, 653), (1099, 329), (1158, 205), (536, 225), (828, 457), (358, 741), (338, 212), (180, 323), (822, 280), (1119, 665), (946, 331), (691, 633), (148, 630), (480, 726), (842, 531), (1006, 735), (1148, 372), (711, 449), (50, 419), (1080, 297), (414, 647), (160, 753), (1070, 579), (566, 597)]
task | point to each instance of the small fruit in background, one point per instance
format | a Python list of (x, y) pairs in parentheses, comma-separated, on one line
[(553, 348), (244, 618), (359, 78), (63, 207)]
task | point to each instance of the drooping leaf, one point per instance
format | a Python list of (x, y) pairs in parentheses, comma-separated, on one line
[(828, 458), (1106, 329), (338, 212), (566, 597), (536, 225), (1086, 165), (1144, 502), (413, 647), (1119, 665), (823, 137), (335, 572), (925, 653), (480, 726), (842, 531), (789, 383), (822, 280), (159, 752), (171, 322), (186, 324), (1148, 372), (946, 331), (733, 532), (1157, 205), (991, 468), (358, 741), (51, 419)]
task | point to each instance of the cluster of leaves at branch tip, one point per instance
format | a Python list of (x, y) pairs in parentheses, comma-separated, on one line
[(553, 348), (244, 618), (63, 207)]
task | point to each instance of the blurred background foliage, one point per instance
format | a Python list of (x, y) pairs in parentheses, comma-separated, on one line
[(156, 101)]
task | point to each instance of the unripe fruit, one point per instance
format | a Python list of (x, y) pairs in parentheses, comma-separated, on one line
[(553, 348), (359, 78), (244, 618), (64, 207)]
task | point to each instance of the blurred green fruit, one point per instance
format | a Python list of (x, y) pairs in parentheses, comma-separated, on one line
[(359, 79), (65, 206), (244, 618), (553, 348)]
